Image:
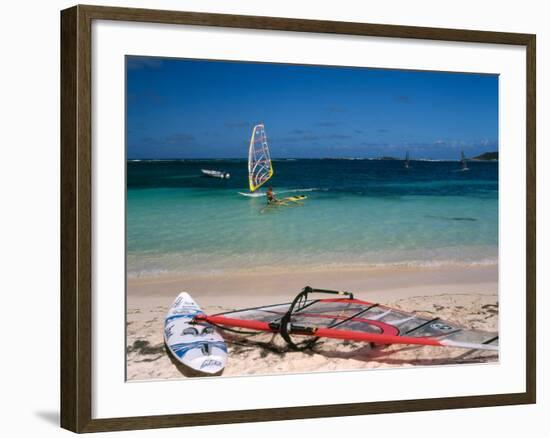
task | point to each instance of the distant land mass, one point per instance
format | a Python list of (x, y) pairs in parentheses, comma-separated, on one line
[(387, 158), (487, 156)]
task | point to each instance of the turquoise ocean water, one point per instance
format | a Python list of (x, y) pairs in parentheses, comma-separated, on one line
[(358, 212)]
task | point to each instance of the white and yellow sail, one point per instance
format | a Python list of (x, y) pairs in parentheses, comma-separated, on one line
[(260, 169)]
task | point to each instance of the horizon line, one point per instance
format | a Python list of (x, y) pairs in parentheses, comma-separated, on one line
[(379, 158)]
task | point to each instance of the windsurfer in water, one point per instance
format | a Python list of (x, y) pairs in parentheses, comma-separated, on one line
[(271, 199)]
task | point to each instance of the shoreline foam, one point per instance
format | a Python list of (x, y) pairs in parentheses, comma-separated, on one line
[(320, 267)]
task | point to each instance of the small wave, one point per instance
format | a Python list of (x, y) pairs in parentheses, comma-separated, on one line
[(313, 189), (278, 268), (148, 273), (438, 263), (434, 160), (349, 158)]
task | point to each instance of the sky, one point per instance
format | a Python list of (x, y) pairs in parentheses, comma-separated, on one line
[(179, 108)]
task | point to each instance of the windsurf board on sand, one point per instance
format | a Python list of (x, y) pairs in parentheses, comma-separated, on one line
[(196, 345)]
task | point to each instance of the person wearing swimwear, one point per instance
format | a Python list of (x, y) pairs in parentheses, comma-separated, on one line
[(270, 196)]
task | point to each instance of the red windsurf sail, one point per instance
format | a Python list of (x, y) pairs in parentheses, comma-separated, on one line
[(347, 318)]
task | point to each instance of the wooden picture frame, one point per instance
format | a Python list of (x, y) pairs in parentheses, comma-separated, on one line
[(76, 217)]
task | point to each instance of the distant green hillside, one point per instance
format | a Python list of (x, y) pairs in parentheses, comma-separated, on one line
[(487, 156)]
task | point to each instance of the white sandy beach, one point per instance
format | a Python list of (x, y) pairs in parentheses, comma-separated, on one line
[(467, 296)]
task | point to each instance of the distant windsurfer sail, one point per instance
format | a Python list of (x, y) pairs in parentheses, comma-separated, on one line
[(407, 165), (260, 168), (463, 161)]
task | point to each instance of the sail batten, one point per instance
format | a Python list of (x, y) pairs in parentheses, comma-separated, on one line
[(260, 169)]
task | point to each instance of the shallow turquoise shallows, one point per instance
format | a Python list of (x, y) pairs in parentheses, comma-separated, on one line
[(357, 212)]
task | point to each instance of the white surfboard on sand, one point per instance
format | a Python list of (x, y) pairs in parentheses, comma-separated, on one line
[(197, 346)]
